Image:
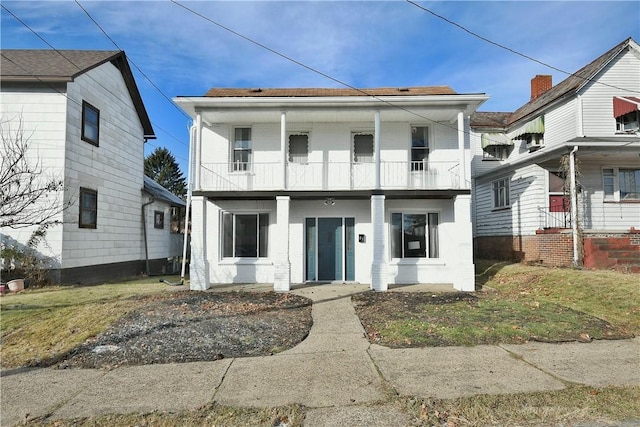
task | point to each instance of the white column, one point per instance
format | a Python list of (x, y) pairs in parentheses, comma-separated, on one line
[(463, 165), (281, 263), (462, 267), (198, 147), (376, 148), (199, 265), (283, 147), (379, 280)]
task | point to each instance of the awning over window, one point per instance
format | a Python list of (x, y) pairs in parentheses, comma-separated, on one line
[(624, 105), (534, 126), (493, 139)]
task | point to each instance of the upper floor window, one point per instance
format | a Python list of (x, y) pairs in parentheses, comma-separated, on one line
[(419, 147), (245, 235), (158, 219), (414, 235), (362, 148), (496, 152), (176, 224), (90, 123), (241, 156), (501, 193), (621, 184), (626, 110), (629, 122), (299, 148), (88, 217)]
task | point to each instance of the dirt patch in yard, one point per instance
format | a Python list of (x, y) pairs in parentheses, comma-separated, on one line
[(197, 326)]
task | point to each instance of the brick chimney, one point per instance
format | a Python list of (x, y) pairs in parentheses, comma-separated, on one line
[(539, 85)]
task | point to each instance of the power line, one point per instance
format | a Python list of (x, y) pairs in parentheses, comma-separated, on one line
[(131, 61), (508, 49)]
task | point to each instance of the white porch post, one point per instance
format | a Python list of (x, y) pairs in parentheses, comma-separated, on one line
[(376, 148), (199, 266), (198, 147), (379, 280), (283, 147), (463, 165), (281, 263), (464, 274)]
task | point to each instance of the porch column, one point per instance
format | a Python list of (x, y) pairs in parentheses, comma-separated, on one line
[(462, 266), (281, 263), (376, 148), (199, 265), (283, 147), (379, 281), (198, 147), (463, 165)]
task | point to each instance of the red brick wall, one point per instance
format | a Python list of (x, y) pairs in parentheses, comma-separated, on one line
[(555, 248)]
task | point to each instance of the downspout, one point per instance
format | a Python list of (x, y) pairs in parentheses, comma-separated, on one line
[(192, 132), (144, 232), (574, 204)]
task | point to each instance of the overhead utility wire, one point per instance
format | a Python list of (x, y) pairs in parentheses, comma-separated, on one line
[(301, 64), (75, 65), (130, 60), (515, 52)]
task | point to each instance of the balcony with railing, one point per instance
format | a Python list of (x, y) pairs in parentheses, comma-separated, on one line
[(331, 176)]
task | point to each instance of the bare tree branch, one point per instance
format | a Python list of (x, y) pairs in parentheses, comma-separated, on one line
[(28, 195)]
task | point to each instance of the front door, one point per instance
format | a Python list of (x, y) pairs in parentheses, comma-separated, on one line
[(330, 249)]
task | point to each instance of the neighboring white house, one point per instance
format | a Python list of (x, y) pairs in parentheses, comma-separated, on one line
[(522, 169), (87, 125), (331, 185)]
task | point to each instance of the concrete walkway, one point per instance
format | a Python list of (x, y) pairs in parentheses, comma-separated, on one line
[(335, 372)]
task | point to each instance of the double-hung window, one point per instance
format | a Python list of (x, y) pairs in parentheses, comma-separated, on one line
[(621, 184), (241, 155), (414, 235), (90, 123), (419, 147), (88, 217), (245, 235), (501, 193)]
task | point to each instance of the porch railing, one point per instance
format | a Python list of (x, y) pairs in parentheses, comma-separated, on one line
[(549, 219), (318, 176)]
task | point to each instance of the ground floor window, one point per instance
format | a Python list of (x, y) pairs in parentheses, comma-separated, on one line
[(414, 235), (501, 193), (620, 184), (88, 217), (245, 235)]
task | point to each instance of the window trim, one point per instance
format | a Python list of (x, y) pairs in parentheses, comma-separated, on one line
[(289, 159), (236, 167), (353, 146), (418, 166), (504, 150), (234, 257), (158, 220), (507, 193), (81, 209), (431, 253), (86, 106), (615, 196)]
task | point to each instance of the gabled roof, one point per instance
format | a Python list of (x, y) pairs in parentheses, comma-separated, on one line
[(489, 119), (330, 92), (53, 66), (568, 87), (158, 192)]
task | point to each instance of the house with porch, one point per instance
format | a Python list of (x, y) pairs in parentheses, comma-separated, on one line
[(85, 124), (331, 185), (558, 180)]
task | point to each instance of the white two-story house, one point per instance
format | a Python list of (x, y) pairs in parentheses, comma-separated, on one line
[(86, 124), (331, 185), (558, 180)]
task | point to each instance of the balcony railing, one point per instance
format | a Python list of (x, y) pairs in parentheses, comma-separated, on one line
[(329, 176)]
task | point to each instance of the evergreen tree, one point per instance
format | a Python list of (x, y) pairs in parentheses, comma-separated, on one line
[(162, 167)]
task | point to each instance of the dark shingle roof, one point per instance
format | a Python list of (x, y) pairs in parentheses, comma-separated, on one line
[(329, 92), (567, 87), (489, 119), (160, 193), (48, 66)]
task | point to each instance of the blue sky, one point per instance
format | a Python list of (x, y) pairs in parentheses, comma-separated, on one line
[(362, 43)]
